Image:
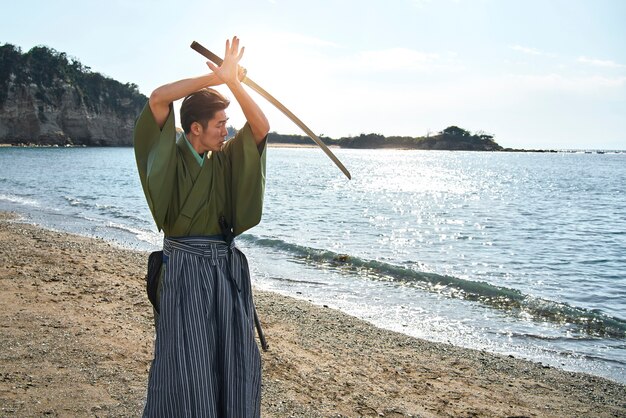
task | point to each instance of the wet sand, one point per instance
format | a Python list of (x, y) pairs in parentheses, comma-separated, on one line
[(76, 340)]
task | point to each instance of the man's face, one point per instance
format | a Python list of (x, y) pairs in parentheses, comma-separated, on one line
[(212, 137)]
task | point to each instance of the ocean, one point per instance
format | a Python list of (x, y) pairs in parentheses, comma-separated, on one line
[(520, 254)]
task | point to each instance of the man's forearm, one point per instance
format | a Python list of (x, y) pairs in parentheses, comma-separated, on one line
[(163, 96), (251, 110), (230, 73)]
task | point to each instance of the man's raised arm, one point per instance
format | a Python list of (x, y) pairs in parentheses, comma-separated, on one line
[(164, 96), (229, 73)]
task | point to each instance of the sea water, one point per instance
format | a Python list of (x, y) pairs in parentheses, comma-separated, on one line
[(521, 254)]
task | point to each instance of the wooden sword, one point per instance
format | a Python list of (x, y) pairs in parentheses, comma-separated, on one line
[(254, 86)]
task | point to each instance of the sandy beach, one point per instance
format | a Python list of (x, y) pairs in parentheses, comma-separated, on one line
[(76, 340)]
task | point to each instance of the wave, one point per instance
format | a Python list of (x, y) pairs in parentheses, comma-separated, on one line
[(579, 353), (19, 200), (112, 211), (553, 338), (141, 234), (77, 202), (512, 301)]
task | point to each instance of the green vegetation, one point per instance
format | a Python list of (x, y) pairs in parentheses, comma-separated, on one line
[(51, 72), (451, 138)]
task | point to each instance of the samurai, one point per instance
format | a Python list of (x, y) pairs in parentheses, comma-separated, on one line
[(197, 186)]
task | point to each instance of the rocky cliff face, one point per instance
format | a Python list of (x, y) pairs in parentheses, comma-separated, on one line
[(48, 98), (58, 116)]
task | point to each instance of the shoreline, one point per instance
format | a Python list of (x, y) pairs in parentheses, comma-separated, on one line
[(313, 145), (287, 145), (77, 336)]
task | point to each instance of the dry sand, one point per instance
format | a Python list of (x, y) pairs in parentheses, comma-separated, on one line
[(76, 340)]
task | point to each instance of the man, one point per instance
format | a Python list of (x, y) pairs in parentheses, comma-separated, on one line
[(206, 361)]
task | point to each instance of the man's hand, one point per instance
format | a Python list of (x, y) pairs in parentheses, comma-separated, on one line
[(230, 72)]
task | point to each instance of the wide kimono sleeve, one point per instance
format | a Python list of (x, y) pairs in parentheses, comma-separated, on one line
[(247, 161), (155, 152)]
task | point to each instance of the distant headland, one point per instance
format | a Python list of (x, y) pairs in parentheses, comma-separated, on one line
[(50, 99), (452, 138)]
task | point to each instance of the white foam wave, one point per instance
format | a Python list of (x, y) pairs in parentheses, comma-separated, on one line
[(150, 237), (74, 201), (19, 200)]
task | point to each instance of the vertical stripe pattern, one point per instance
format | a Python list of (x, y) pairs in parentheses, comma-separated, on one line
[(206, 361)]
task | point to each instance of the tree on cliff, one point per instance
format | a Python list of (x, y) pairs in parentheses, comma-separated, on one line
[(456, 131), (49, 69), (48, 98), (10, 59)]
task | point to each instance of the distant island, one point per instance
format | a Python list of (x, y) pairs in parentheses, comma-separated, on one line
[(50, 99), (452, 138)]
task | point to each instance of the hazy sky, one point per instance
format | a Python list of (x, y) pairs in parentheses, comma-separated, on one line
[(534, 73)]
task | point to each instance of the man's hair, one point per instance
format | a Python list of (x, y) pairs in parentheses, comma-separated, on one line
[(201, 106)]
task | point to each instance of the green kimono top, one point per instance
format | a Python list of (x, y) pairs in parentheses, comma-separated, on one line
[(186, 198)]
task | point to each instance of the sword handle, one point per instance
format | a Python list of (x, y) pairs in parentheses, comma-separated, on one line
[(208, 54)]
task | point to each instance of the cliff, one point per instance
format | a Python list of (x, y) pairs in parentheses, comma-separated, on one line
[(47, 98)]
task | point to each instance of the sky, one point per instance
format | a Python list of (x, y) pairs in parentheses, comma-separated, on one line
[(536, 74)]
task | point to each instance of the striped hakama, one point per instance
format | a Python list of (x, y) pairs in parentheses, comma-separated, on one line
[(206, 361)]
